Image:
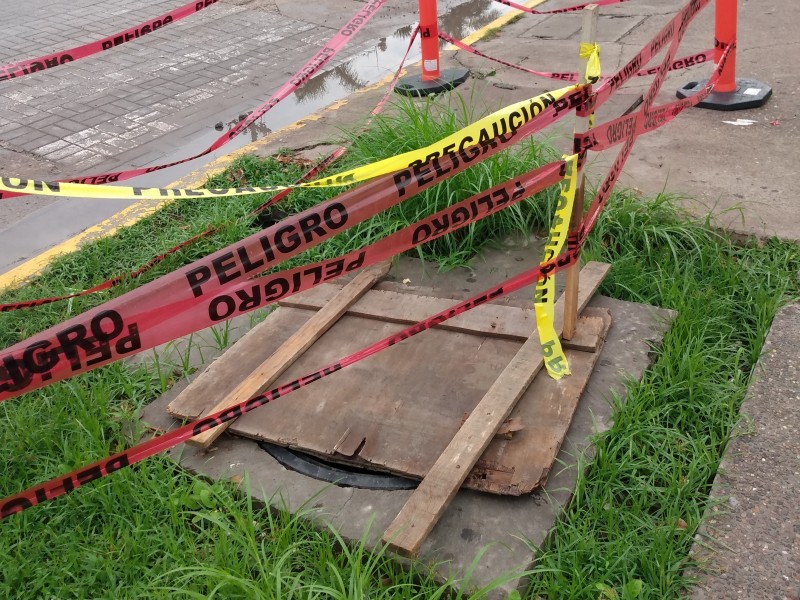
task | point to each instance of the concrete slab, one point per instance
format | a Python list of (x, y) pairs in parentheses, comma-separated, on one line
[(749, 545), (511, 527)]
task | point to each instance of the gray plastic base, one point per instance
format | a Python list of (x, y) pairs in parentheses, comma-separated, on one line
[(412, 85), (749, 93)]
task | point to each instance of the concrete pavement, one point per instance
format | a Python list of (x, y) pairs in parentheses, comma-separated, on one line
[(749, 545), (158, 99)]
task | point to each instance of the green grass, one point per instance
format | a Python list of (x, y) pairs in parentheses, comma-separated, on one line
[(154, 531), (637, 507)]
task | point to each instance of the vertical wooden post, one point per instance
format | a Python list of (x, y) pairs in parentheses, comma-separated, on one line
[(588, 36)]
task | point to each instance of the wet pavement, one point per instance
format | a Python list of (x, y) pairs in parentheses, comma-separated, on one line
[(163, 97)]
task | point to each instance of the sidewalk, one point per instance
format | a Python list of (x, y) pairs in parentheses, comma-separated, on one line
[(159, 98), (749, 543)]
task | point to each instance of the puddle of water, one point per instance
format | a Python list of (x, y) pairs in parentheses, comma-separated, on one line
[(457, 18)]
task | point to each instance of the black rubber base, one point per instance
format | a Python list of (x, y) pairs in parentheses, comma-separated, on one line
[(749, 94), (412, 85), (337, 474)]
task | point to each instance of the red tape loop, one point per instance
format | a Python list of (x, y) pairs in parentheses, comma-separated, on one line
[(93, 335), (67, 483)]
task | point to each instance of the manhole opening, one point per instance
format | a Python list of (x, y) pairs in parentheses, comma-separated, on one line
[(341, 475)]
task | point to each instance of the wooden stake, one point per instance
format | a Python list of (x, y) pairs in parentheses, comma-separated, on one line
[(293, 348), (423, 509), (588, 36)]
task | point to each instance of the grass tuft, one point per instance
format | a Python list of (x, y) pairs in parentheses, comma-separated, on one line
[(155, 531)]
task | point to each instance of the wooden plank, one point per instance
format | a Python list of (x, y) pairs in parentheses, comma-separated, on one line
[(222, 375), (545, 412), (427, 503), (588, 36), (269, 370), (490, 320), (395, 411), (586, 339)]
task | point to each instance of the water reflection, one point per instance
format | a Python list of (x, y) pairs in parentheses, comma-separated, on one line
[(256, 130), (469, 16), (458, 21), (345, 75)]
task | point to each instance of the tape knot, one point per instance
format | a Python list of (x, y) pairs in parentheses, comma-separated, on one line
[(591, 52)]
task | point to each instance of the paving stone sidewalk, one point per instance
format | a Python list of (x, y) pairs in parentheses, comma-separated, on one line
[(84, 113), (157, 99)]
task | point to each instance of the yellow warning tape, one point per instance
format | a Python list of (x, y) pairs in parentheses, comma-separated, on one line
[(594, 72), (504, 121), (592, 53), (554, 359)]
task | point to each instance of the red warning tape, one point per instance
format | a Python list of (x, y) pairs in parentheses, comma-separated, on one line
[(315, 170), (558, 10), (115, 281), (56, 59), (64, 484), (618, 130), (319, 60), (61, 485), (682, 63), (673, 33), (677, 24), (158, 311)]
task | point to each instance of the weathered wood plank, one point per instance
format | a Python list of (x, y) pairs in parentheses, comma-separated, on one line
[(269, 370), (490, 320), (545, 413), (582, 123), (423, 509)]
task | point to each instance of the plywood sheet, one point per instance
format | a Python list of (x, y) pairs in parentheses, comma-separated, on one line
[(398, 410)]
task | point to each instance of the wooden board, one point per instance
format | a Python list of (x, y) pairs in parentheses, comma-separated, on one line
[(224, 377), (268, 371), (519, 466), (395, 411), (427, 503), (493, 320)]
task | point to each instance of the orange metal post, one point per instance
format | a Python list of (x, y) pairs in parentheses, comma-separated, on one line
[(729, 93), (429, 32), (433, 79), (725, 34)]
